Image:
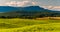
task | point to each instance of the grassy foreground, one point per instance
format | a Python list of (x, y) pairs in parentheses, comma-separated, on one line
[(29, 25)]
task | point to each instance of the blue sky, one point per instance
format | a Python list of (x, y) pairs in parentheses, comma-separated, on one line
[(50, 4)]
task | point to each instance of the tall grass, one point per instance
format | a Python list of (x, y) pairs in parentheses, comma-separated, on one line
[(29, 25)]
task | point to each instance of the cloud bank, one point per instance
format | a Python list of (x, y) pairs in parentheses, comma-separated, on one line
[(20, 3)]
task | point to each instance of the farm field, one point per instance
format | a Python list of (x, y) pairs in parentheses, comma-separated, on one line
[(29, 25)]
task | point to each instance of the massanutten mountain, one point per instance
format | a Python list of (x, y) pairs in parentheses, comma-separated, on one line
[(30, 11), (27, 9)]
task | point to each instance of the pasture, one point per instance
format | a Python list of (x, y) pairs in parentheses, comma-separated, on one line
[(29, 25)]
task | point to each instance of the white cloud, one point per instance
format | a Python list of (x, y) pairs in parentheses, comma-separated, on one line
[(52, 7), (34, 3), (11, 3), (47, 7), (20, 3)]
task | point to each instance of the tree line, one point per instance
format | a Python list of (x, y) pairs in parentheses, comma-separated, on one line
[(31, 15)]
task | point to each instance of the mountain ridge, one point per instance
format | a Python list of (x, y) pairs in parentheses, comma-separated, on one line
[(29, 8)]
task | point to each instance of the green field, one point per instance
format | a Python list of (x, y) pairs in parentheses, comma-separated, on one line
[(29, 25)]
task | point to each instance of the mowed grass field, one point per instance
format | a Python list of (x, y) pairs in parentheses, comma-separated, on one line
[(29, 25)]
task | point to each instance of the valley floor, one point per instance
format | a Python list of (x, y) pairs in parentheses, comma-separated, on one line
[(29, 25)]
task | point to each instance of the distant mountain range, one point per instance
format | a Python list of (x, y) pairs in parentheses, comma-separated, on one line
[(31, 11), (27, 9)]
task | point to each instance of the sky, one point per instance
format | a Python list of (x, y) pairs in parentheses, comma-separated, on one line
[(50, 4)]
